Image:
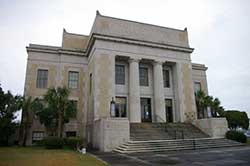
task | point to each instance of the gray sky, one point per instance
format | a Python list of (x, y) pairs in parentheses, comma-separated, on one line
[(219, 30)]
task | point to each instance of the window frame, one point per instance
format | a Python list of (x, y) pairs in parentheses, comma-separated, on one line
[(75, 102), (42, 78), (166, 82), (124, 105), (143, 77), (73, 81), (121, 75), (90, 83), (39, 138), (200, 87)]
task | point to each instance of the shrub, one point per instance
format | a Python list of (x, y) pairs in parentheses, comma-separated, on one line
[(237, 136), (53, 143), (73, 142), (39, 143)]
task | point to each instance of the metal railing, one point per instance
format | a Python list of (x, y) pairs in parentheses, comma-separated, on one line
[(162, 122), (176, 134)]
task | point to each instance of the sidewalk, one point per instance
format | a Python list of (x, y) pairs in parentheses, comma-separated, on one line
[(206, 157)]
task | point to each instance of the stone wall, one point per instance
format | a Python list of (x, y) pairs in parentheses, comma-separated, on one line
[(214, 127), (110, 133), (58, 66), (139, 31), (199, 75), (188, 92)]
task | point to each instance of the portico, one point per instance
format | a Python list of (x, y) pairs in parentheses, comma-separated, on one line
[(146, 97)]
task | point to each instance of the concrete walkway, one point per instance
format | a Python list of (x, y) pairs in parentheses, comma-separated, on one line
[(207, 157)]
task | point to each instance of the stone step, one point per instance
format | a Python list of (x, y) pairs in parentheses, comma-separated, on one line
[(173, 146), (170, 145), (154, 131), (171, 149)]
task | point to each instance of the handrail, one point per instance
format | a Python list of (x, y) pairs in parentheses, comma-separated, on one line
[(165, 125), (162, 122)]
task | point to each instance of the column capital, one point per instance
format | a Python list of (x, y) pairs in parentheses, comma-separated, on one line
[(134, 60), (158, 62)]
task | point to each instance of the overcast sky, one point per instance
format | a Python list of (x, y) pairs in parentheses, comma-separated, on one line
[(219, 30)]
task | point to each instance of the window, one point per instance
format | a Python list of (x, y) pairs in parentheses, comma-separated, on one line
[(169, 110), (90, 83), (166, 78), (39, 106), (120, 74), (143, 76), (197, 86), (70, 133), (73, 79), (73, 104), (120, 107), (37, 136), (42, 78)]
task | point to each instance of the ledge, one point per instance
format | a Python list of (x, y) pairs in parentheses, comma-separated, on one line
[(53, 50)]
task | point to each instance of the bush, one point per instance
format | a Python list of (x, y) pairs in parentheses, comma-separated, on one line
[(39, 143), (237, 136), (73, 142), (53, 143)]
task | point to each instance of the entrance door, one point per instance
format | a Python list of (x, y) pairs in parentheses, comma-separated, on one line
[(169, 110), (146, 115)]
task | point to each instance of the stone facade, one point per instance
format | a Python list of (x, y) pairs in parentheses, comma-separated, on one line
[(137, 48), (214, 127)]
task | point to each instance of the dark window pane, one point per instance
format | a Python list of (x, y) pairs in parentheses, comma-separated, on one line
[(143, 76), (42, 78), (166, 78), (120, 74), (169, 110), (197, 86), (120, 107), (90, 83), (73, 108), (71, 134)]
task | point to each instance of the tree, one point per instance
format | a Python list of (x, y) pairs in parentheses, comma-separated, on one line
[(204, 101), (8, 106), (201, 103), (28, 106), (237, 119), (57, 110)]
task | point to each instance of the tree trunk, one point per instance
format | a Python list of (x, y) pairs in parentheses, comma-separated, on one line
[(59, 134), (25, 127), (24, 135)]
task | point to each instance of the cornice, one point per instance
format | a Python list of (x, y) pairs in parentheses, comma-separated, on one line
[(140, 42), (94, 36), (197, 66), (54, 50)]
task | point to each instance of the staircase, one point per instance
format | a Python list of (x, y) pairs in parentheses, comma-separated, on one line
[(163, 131), (171, 145), (156, 137)]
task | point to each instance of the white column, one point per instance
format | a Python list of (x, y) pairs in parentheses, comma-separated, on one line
[(134, 91), (159, 99), (178, 92)]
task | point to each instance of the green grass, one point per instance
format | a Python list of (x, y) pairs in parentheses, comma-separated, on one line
[(33, 156)]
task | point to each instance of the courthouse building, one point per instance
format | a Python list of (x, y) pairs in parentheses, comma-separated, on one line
[(146, 70)]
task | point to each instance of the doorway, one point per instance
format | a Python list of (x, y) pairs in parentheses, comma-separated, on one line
[(169, 110), (146, 115)]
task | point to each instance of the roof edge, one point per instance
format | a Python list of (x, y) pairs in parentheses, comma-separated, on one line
[(138, 22), (199, 66)]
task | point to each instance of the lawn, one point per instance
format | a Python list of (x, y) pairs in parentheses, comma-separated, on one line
[(33, 156)]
